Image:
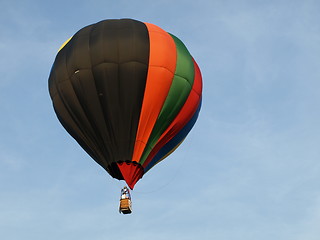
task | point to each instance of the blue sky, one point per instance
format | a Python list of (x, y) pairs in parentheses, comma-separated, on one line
[(248, 170)]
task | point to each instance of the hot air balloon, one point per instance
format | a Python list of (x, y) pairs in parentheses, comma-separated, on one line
[(128, 92)]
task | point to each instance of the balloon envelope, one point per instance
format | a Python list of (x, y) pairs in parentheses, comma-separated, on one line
[(128, 92)]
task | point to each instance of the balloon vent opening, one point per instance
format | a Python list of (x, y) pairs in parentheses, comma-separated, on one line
[(131, 172)]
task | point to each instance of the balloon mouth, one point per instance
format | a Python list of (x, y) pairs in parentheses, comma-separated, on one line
[(130, 171)]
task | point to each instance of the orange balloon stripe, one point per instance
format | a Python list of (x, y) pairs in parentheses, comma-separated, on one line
[(162, 64), (182, 118)]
